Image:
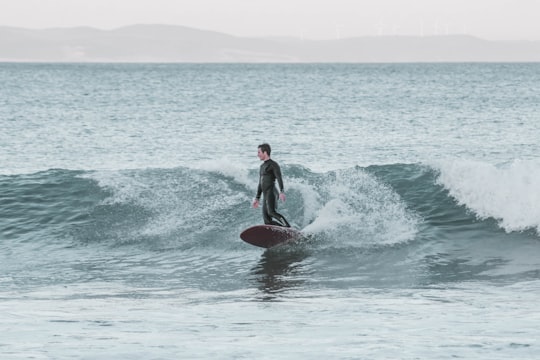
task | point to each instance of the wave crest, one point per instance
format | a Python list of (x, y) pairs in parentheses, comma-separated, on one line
[(509, 193)]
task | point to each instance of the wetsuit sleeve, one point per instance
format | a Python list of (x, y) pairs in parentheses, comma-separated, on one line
[(277, 173), (259, 189)]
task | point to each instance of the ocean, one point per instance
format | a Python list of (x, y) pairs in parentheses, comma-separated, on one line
[(124, 188)]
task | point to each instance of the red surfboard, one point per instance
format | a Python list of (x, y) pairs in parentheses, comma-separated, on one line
[(267, 236)]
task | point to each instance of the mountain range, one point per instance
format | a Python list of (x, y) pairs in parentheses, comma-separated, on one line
[(167, 43)]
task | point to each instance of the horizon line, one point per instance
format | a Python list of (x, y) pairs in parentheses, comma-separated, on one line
[(267, 37)]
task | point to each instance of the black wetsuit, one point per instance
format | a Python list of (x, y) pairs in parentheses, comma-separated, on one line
[(269, 172)]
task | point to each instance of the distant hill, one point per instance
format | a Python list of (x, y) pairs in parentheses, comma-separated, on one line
[(164, 43)]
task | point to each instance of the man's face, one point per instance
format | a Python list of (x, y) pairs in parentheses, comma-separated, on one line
[(261, 155)]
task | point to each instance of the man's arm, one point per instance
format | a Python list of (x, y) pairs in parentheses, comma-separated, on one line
[(255, 203), (259, 191), (277, 173)]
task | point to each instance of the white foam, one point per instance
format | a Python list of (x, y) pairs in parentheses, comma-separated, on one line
[(310, 198), (359, 211), (227, 167), (124, 187), (509, 193), (173, 199)]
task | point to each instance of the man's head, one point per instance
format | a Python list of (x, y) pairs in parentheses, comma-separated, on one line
[(264, 151)]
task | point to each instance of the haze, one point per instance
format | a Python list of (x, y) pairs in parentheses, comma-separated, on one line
[(309, 19)]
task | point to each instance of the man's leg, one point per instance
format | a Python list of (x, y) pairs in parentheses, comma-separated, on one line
[(266, 217), (270, 202)]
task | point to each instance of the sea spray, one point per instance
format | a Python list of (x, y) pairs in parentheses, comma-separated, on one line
[(508, 192), (359, 210)]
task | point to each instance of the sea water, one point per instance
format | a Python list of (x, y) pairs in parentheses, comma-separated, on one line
[(124, 188)]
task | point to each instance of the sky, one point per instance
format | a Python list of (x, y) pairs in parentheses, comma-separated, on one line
[(308, 19)]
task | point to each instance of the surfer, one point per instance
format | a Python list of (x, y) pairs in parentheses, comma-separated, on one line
[(269, 172)]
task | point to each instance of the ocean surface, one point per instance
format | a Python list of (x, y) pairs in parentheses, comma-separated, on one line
[(124, 187)]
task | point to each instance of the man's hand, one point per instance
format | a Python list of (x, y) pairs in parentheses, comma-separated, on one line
[(255, 203), (282, 196)]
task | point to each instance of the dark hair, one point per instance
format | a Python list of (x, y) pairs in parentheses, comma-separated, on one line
[(265, 148)]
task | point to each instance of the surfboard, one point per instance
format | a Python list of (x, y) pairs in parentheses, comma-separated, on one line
[(267, 236)]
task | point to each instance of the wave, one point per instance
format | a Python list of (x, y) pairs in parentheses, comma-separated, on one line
[(509, 192), (208, 206)]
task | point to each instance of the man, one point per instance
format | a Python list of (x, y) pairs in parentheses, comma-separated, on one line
[(268, 174)]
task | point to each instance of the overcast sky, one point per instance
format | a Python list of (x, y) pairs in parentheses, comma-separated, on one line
[(310, 19)]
